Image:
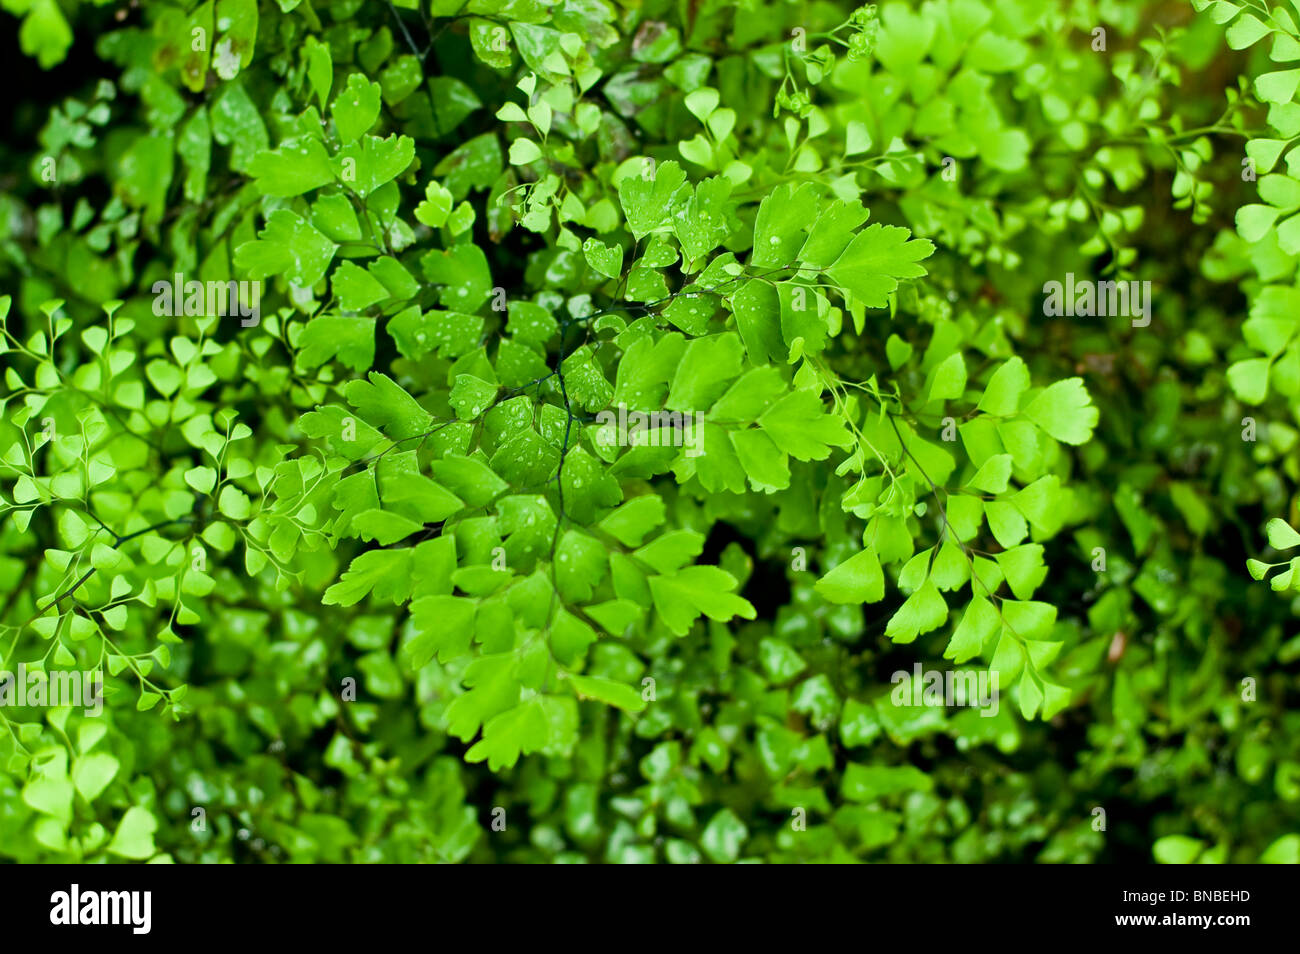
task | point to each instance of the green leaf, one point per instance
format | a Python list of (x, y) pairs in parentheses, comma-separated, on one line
[(444, 625), (1023, 568), (780, 660), (703, 224), (298, 166), (370, 162), (469, 479), (202, 479), (45, 33), (978, 624), (681, 597), (1281, 535), (1283, 851), (1277, 87), (723, 837), (1176, 849), (866, 783), (380, 571), (356, 107), (93, 772), (707, 366), (521, 730), (1249, 379), (288, 246), (234, 503), (602, 258), (435, 208), (948, 380), (50, 795), (355, 288), (635, 519), (649, 200), (524, 151), (471, 396), (1002, 394), (1064, 410), (876, 260), (350, 340), (858, 579), (992, 477), (388, 406), (320, 68), (608, 691), (779, 226), (134, 836), (1245, 31), (1029, 620), (464, 269), (1255, 221), (800, 426), (923, 611)]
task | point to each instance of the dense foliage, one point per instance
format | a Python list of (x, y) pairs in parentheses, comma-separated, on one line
[(621, 395)]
